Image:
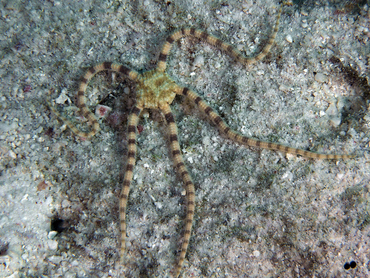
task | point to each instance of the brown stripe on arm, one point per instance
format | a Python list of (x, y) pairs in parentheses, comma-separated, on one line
[(124, 70), (136, 111), (182, 91), (162, 57), (107, 65), (84, 80), (203, 36), (169, 118)]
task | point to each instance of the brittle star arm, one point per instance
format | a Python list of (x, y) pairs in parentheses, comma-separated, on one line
[(189, 186), (237, 137), (81, 99), (214, 41), (131, 158)]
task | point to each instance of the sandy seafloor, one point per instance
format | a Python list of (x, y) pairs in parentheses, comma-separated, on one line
[(259, 213)]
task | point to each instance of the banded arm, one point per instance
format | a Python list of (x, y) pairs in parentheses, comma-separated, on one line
[(237, 137), (189, 186), (81, 99), (214, 41), (131, 158)]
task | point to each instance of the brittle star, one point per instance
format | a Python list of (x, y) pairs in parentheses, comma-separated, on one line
[(155, 89)]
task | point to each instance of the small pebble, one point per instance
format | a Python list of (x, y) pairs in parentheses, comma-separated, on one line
[(206, 141), (199, 61), (55, 259), (52, 244), (63, 98), (336, 121), (12, 154), (289, 38), (332, 110), (284, 88), (39, 130), (256, 253), (101, 111), (320, 77), (52, 234)]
